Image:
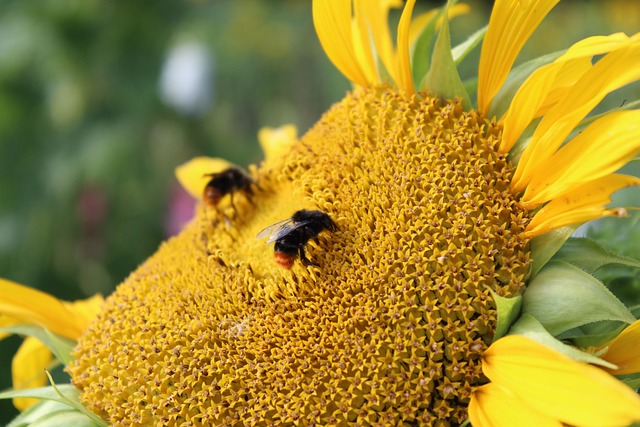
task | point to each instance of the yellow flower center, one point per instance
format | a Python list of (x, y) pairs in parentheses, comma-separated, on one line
[(389, 327)]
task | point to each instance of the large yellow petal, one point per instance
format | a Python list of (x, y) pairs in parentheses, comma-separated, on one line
[(6, 321), (362, 45), (494, 406), (583, 204), (405, 77), (27, 369), (510, 26), (572, 392), (550, 83), (34, 307), (377, 15), (192, 175), (332, 20), (624, 350), (614, 70), (602, 148)]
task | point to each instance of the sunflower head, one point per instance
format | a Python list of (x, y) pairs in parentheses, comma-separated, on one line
[(388, 318)]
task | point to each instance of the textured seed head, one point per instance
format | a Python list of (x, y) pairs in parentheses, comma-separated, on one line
[(389, 327)]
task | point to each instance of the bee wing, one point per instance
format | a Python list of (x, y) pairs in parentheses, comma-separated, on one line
[(280, 229)]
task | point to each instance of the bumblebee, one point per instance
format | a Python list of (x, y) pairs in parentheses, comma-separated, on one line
[(292, 234), (226, 182)]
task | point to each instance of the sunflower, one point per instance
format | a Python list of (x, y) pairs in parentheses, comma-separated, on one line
[(449, 288)]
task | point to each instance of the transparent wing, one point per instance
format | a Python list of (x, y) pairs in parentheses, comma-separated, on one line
[(280, 229)]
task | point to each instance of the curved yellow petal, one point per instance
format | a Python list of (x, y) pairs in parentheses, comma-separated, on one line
[(332, 20), (192, 175), (550, 83), (27, 369), (377, 15), (6, 321), (494, 406), (510, 26), (362, 45), (624, 350), (84, 311), (405, 76), (583, 204), (275, 142), (602, 148), (614, 70), (572, 392), (34, 307)]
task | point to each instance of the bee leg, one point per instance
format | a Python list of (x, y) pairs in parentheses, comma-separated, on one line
[(235, 211), (306, 261)]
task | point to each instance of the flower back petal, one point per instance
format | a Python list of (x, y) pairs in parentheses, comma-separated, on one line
[(510, 26), (624, 350), (572, 392), (34, 307), (28, 369), (192, 175), (494, 406)]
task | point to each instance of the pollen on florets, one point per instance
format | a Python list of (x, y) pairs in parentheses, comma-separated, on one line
[(389, 327)]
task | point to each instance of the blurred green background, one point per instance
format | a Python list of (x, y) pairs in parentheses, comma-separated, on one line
[(101, 100)]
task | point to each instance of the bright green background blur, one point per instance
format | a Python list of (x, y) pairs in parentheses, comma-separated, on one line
[(88, 145)]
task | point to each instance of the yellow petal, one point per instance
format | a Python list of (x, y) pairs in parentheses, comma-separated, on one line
[(275, 142), (510, 26), (602, 148), (84, 311), (377, 16), (192, 175), (332, 20), (6, 321), (550, 83), (33, 307), (583, 204), (624, 350), (405, 77), (362, 45), (494, 406), (572, 392), (27, 369), (613, 71)]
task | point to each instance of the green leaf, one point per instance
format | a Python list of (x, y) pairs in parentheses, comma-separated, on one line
[(37, 411), (463, 49), (593, 334), (531, 328), (421, 57), (443, 78), (589, 256), (563, 297), (60, 347), (68, 417), (517, 76), (508, 310), (545, 246), (45, 393)]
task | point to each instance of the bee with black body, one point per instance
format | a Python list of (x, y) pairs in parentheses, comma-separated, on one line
[(292, 234), (226, 182)]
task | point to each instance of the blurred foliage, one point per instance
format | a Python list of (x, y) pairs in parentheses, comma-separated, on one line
[(88, 148)]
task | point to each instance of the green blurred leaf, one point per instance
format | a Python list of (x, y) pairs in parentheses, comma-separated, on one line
[(69, 417), (589, 256), (531, 328), (66, 391), (37, 411), (562, 297)]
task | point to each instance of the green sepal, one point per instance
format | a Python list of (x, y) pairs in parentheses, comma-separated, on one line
[(517, 76), (421, 57), (545, 246), (463, 49), (631, 380), (37, 411), (60, 347), (589, 256), (530, 327), (443, 78), (508, 310), (563, 297)]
